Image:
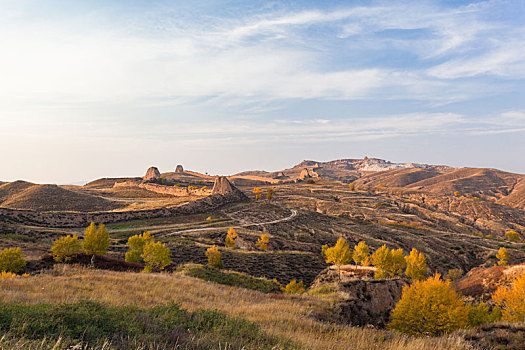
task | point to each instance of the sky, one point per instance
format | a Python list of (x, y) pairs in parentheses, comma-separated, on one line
[(103, 88)]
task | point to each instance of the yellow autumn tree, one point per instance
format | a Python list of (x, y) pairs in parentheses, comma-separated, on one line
[(503, 256), (96, 240), (262, 242), (381, 259), (294, 287), (257, 192), (230, 238), (512, 300), (512, 236), (156, 256), (361, 253), (214, 257), (351, 186), (65, 248), (136, 246), (416, 265), (338, 255), (397, 263), (429, 307), (11, 260), (270, 194)]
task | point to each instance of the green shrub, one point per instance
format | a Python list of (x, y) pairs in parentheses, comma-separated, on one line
[(231, 278), (166, 326)]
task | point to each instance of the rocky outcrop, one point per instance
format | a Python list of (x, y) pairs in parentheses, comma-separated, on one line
[(223, 186), (179, 169), (152, 174), (305, 174), (369, 302), (279, 175)]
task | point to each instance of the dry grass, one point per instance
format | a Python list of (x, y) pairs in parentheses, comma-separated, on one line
[(288, 316)]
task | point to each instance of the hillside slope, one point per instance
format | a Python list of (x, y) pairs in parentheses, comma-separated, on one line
[(26, 195)]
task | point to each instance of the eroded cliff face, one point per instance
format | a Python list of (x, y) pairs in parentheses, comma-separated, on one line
[(369, 302), (360, 299)]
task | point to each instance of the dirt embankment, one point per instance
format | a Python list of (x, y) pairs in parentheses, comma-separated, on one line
[(77, 219)]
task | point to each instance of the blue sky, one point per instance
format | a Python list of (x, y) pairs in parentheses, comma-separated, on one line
[(108, 88)]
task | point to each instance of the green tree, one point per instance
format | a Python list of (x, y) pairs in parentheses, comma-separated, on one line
[(214, 257), (263, 241), (294, 287), (65, 248), (156, 256), (503, 256), (11, 260), (96, 240), (381, 259), (230, 238), (429, 307), (512, 236), (136, 246), (416, 265), (481, 314), (361, 254), (338, 255)]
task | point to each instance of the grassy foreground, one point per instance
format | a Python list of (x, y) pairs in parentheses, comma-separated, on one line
[(278, 317)]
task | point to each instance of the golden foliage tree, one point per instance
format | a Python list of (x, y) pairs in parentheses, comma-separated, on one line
[(263, 241), (381, 259), (503, 256), (512, 236), (96, 240), (11, 260), (361, 254), (156, 256), (294, 287), (257, 191), (416, 265), (397, 263), (230, 238), (270, 193), (351, 186), (65, 248), (512, 300), (338, 255), (429, 307), (136, 246), (214, 257)]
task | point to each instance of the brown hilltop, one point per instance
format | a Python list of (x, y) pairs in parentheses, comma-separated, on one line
[(26, 195)]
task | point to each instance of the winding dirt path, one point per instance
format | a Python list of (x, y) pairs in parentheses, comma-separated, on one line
[(287, 218)]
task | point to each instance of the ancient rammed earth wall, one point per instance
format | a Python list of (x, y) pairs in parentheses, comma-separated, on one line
[(76, 219), (172, 190)]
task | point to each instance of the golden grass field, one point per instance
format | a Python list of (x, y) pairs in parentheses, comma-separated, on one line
[(281, 315)]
